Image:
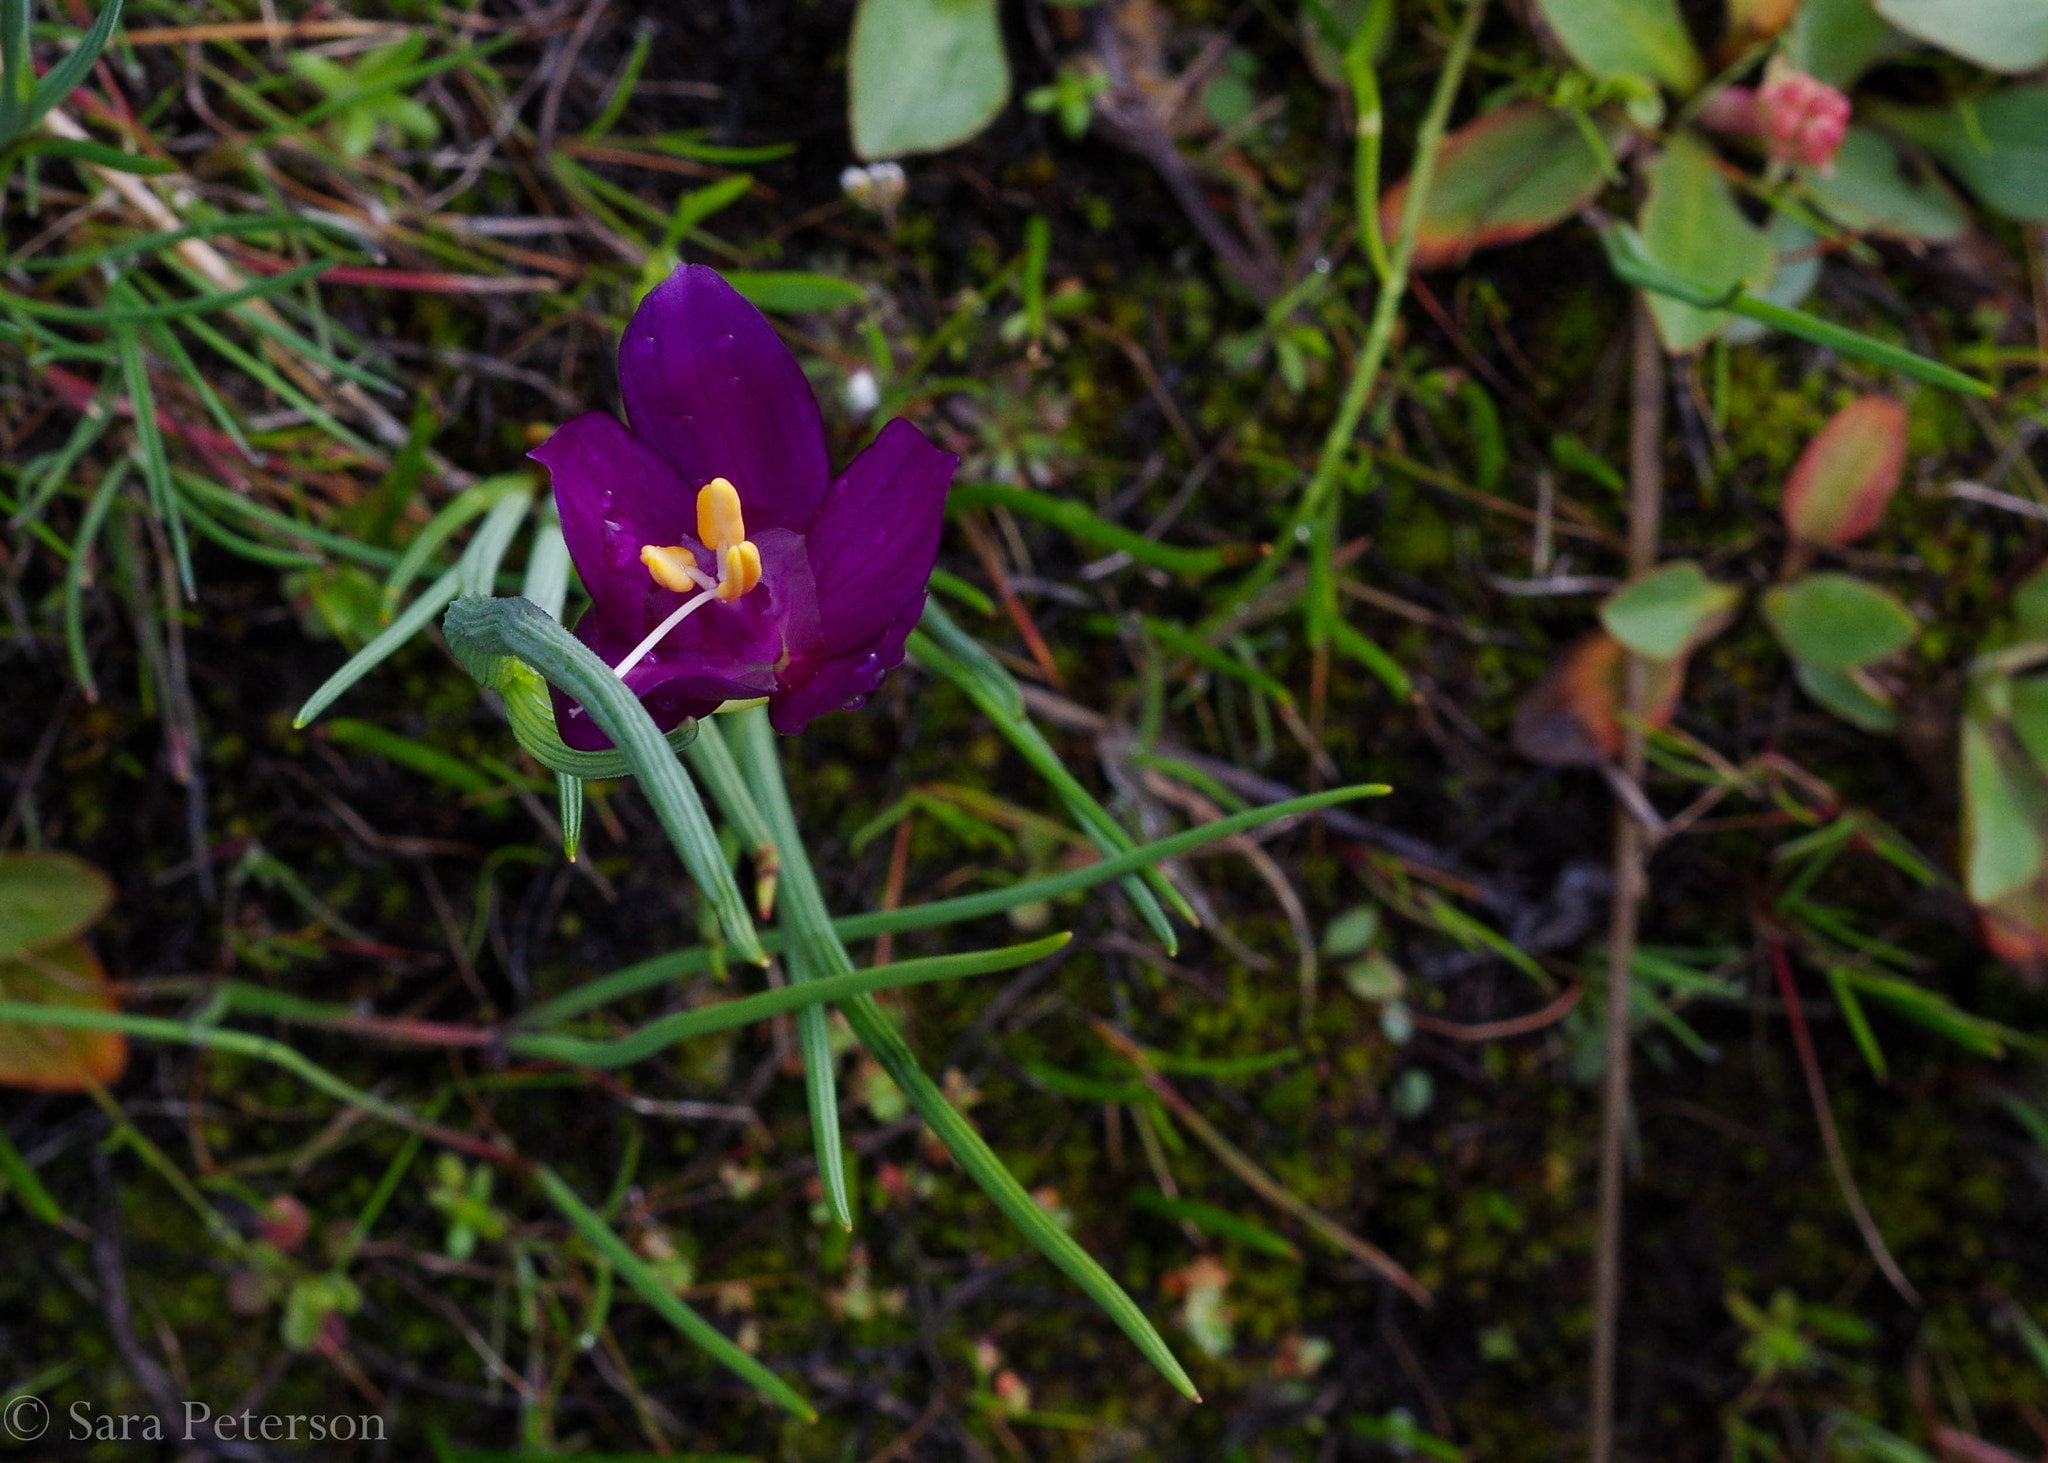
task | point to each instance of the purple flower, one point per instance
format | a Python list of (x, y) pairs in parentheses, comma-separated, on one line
[(724, 562)]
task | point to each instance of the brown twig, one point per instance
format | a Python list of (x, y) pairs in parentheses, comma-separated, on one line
[(1824, 1114), (1646, 492)]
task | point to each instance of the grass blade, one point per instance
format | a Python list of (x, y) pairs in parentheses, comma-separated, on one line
[(805, 918), (943, 646), (663, 968), (75, 571), (814, 952), (658, 1035), (418, 615), (638, 1274), (64, 78), (712, 761)]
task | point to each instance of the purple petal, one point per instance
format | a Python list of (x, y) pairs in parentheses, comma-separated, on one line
[(615, 496), (712, 388), (871, 548)]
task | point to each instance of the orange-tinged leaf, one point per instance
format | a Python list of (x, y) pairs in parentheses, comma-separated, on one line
[(1572, 717), (1845, 478), (2014, 928), (47, 897), (49, 1058), (1512, 173)]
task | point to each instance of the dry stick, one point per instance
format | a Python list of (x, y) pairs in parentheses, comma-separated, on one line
[(1646, 493), (1831, 1139)]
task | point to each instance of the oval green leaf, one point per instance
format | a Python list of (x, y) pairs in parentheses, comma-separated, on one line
[(1837, 621), (1669, 611), (1997, 145), (1845, 478), (923, 75), (1512, 173), (2002, 817), (1613, 38), (1848, 695), (46, 898), (1836, 41), (1999, 35), (1877, 188), (1692, 227)]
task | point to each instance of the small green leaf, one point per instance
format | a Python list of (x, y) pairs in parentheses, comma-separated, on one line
[(1999, 35), (2029, 718), (1997, 145), (1692, 227), (1670, 611), (1617, 38), (2003, 815), (791, 292), (1836, 41), (1849, 696), (1838, 621), (923, 75), (46, 898), (1877, 188), (1845, 478)]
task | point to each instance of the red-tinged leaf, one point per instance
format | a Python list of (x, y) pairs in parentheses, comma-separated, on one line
[(1845, 478), (1573, 716), (53, 1059), (1512, 173), (1952, 1446)]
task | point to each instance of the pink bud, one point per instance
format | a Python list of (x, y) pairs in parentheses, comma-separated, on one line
[(1803, 119)]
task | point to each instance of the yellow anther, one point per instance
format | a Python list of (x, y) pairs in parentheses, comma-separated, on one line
[(720, 523), (673, 567), (739, 569)]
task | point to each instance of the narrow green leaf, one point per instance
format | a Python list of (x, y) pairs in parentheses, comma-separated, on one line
[(813, 951), (74, 574), (872, 1025), (1216, 1221), (1633, 265), (547, 563), (660, 1034), (64, 77), (569, 794), (472, 502), (640, 1275), (1859, 1024), (96, 154), (963, 660), (417, 616), (792, 292), (17, 1176), (1081, 522), (109, 316), (665, 968)]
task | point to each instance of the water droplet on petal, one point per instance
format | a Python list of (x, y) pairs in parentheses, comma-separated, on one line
[(604, 501)]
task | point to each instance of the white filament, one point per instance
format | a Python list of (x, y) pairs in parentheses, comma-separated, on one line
[(654, 638)]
